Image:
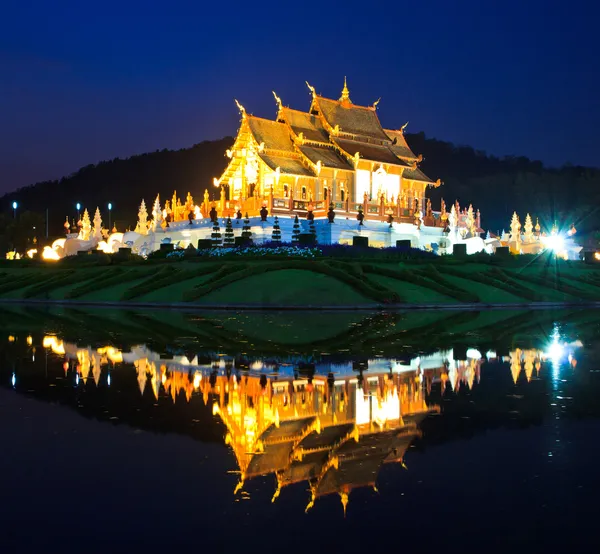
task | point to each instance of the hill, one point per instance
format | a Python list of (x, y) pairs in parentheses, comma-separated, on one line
[(497, 186)]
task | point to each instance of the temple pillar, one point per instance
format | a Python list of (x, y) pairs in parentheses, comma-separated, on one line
[(334, 186), (243, 191), (371, 181)]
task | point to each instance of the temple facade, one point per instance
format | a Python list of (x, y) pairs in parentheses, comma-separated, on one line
[(337, 153)]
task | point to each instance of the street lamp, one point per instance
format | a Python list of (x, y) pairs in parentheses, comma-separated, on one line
[(109, 211), (78, 206), (15, 205)]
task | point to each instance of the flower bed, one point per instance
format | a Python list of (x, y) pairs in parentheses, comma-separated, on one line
[(258, 252)]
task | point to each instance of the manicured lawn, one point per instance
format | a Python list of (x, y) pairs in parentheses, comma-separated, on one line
[(486, 293), (286, 287), (411, 293), (332, 282)]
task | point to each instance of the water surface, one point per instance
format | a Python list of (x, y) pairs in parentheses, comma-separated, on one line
[(298, 431)]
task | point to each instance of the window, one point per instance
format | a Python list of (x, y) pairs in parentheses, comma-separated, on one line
[(286, 191), (303, 193)]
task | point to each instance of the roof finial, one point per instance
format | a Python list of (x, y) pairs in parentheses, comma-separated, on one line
[(311, 88), (278, 100), (240, 107), (345, 97), (376, 102)]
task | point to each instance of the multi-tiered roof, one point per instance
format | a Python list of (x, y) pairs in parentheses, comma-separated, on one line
[(335, 134)]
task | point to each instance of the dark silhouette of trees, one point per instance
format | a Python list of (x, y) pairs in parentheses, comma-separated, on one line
[(497, 186)]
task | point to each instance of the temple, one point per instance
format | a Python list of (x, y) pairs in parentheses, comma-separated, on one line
[(335, 153), (333, 172)]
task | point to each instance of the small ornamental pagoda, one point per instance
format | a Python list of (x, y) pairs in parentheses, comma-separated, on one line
[(336, 153)]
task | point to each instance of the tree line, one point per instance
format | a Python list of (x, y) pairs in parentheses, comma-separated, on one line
[(497, 186)]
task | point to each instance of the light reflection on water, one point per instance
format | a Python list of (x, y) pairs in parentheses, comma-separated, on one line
[(332, 424), (368, 424)]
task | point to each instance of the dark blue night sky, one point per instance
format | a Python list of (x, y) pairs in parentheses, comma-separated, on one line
[(82, 82)]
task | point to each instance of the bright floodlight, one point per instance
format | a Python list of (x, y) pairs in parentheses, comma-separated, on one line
[(556, 243), (109, 206), (15, 205), (78, 206)]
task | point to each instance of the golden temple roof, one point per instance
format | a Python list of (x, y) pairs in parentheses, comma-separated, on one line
[(309, 125), (399, 145), (352, 119), (291, 166), (418, 175), (274, 135), (327, 156), (371, 152)]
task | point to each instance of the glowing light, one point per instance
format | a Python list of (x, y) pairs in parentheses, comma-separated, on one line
[(490, 354), (556, 243), (108, 380), (49, 254), (78, 206), (77, 378), (555, 352), (597, 255), (11, 338), (197, 379), (54, 344), (29, 340), (31, 253), (474, 353), (110, 206), (13, 380)]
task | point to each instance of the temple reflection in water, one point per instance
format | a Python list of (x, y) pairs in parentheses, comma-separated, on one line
[(332, 424)]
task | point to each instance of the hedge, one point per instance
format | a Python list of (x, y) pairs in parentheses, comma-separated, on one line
[(555, 285), (115, 277), (417, 277), (51, 283), (360, 286), (163, 278), (490, 280)]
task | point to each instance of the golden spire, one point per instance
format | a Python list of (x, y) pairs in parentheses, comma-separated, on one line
[(345, 97)]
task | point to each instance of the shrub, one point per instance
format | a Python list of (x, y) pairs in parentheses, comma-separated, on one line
[(50, 283), (110, 279), (165, 277)]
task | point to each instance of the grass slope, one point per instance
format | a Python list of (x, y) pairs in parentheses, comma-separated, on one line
[(322, 282), (286, 287)]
